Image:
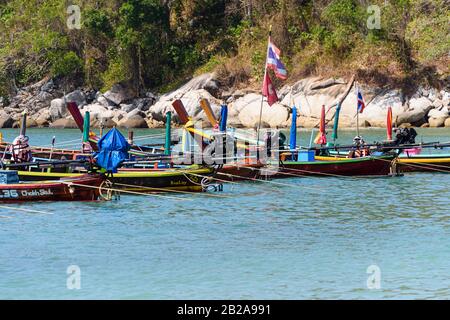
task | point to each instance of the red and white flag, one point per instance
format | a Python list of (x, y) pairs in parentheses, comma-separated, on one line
[(268, 90)]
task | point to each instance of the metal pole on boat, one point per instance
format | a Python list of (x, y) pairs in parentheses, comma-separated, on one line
[(23, 124), (357, 123), (262, 96), (86, 126), (293, 131), (130, 137), (223, 118), (311, 138), (168, 133)]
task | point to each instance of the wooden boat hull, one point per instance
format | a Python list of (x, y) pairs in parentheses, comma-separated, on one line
[(152, 180), (415, 163), (367, 166), (236, 172), (82, 188), (424, 163)]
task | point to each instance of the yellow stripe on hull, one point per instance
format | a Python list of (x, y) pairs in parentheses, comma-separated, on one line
[(400, 160), (134, 174), (428, 160)]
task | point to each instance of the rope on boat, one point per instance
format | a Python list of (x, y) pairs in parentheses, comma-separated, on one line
[(427, 166), (170, 190), (126, 191), (205, 183), (257, 180), (268, 181), (106, 192)]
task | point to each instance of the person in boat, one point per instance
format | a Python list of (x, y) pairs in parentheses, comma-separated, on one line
[(20, 149), (358, 150)]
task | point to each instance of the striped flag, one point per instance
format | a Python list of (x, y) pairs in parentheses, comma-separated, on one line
[(360, 99), (274, 61)]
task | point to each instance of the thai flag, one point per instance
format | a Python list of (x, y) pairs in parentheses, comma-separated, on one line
[(274, 62), (361, 102)]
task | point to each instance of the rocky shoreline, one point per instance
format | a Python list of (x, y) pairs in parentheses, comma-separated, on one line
[(44, 103)]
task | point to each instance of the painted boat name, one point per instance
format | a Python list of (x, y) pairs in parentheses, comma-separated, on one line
[(13, 194)]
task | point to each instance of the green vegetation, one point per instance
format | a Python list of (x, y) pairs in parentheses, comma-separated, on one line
[(157, 44)]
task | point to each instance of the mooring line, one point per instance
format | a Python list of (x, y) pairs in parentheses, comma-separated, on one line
[(421, 166), (272, 182), (26, 210), (171, 190), (126, 191)]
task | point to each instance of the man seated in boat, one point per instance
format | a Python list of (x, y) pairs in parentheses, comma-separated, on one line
[(358, 150), (21, 151)]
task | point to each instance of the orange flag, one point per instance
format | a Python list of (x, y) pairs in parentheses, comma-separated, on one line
[(389, 124), (322, 135)]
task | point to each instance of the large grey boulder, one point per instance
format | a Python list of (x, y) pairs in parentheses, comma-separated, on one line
[(64, 123), (447, 123), (78, 97), (437, 117), (135, 112), (6, 121), (119, 93), (57, 108), (127, 107), (248, 109), (48, 86), (43, 118), (205, 81), (135, 121), (191, 101), (416, 112), (105, 102), (94, 109)]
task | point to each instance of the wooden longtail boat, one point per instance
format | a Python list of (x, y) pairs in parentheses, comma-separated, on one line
[(151, 180), (45, 152), (68, 189), (410, 163), (424, 163), (364, 166)]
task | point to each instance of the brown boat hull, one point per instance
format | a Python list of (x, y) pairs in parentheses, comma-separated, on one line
[(370, 166), (239, 172), (430, 165), (83, 188)]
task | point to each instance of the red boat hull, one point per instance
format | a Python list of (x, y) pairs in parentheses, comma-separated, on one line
[(370, 166), (84, 188)]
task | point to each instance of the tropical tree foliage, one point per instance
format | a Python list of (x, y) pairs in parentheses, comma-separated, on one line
[(156, 43)]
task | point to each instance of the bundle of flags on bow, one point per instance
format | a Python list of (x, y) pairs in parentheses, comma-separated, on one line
[(321, 137), (274, 63)]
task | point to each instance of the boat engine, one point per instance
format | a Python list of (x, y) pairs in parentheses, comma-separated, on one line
[(405, 136)]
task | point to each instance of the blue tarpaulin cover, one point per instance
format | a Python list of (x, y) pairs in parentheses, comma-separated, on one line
[(113, 149)]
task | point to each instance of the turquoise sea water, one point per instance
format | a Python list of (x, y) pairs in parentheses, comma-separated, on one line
[(311, 238)]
